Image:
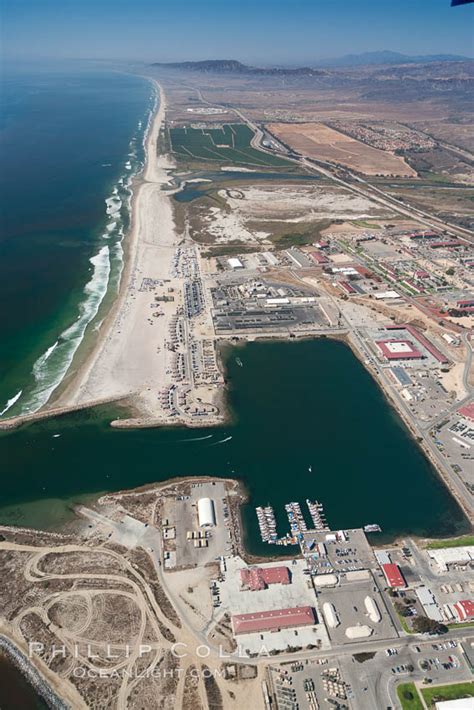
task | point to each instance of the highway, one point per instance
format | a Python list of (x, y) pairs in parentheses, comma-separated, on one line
[(329, 170)]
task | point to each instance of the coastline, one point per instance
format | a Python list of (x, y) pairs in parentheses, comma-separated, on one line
[(66, 398), (107, 373)]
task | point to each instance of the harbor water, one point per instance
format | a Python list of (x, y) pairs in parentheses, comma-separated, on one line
[(308, 421)]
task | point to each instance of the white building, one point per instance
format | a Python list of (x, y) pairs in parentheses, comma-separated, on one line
[(206, 513), (235, 263), (460, 704)]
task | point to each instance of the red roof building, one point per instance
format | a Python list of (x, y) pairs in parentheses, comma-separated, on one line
[(273, 620), (393, 576), (467, 411), (398, 349), (318, 258), (437, 354), (363, 271), (464, 609), (347, 287), (257, 578)]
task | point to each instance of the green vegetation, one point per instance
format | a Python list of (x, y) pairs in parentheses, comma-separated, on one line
[(451, 542), (284, 241), (436, 177), (424, 625), (447, 692), (408, 696), (404, 624), (229, 144), (465, 625), (365, 224), (231, 250)]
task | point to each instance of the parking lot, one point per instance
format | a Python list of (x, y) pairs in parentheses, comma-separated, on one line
[(181, 514), (355, 619), (420, 661), (349, 551), (309, 684)]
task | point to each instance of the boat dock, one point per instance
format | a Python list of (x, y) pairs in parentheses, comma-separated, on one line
[(295, 518), (318, 517), (267, 523), (268, 526)]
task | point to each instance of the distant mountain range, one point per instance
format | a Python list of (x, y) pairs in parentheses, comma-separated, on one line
[(232, 66), (385, 56)]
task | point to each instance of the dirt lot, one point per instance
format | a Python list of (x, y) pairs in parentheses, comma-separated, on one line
[(263, 212), (318, 141)]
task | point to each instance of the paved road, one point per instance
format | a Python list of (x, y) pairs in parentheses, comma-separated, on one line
[(329, 170)]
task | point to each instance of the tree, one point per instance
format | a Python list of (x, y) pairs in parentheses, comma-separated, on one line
[(450, 271), (423, 625), (401, 609)]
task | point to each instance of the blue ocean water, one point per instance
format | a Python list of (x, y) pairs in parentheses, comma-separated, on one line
[(71, 139)]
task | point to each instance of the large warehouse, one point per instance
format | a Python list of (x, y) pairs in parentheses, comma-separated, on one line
[(258, 578), (206, 513), (273, 620), (398, 349)]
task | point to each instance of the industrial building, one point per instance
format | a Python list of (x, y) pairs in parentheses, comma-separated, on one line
[(398, 349), (447, 556), (467, 411), (394, 576), (273, 620), (258, 578), (464, 610), (206, 513), (423, 341), (235, 263), (318, 258), (428, 602)]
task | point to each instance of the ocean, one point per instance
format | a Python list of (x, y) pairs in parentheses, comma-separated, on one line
[(71, 140)]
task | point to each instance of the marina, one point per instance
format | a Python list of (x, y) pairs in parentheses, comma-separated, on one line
[(268, 526)]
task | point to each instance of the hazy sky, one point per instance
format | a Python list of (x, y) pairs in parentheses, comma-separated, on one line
[(278, 31)]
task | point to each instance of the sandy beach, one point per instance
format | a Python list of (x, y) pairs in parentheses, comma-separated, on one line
[(128, 357), (133, 358)]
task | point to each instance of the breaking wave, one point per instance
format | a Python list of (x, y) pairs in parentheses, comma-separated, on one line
[(50, 368), (107, 265), (11, 402)]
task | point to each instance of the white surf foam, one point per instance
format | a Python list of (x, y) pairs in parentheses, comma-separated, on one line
[(11, 402), (51, 367)]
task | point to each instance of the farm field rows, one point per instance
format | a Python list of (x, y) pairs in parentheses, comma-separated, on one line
[(229, 144)]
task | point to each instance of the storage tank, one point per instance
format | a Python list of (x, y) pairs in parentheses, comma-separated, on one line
[(206, 513)]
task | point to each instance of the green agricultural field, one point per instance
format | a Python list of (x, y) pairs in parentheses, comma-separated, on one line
[(447, 692), (451, 542), (229, 144), (408, 696)]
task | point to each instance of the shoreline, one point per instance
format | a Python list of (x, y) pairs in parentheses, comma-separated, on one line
[(107, 374), (62, 399)]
